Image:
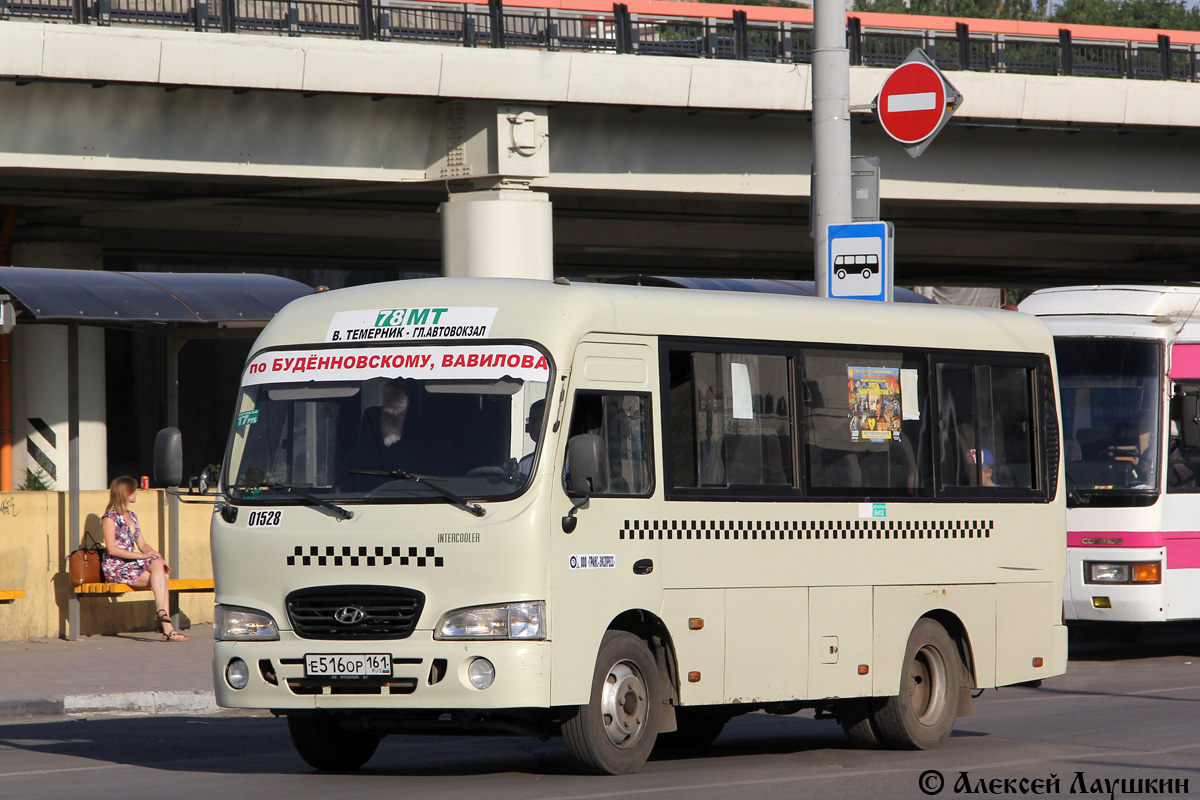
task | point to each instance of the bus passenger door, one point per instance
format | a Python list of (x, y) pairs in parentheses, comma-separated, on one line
[(608, 564)]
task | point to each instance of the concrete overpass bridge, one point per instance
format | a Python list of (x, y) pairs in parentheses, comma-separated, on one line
[(154, 136)]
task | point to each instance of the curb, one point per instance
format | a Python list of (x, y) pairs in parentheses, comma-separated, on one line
[(144, 703), (35, 707)]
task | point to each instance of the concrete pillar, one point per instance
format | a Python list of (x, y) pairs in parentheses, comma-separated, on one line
[(39, 365), (498, 233)]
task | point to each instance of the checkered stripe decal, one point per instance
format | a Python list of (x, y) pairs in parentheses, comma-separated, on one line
[(744, 530), (356, 557)]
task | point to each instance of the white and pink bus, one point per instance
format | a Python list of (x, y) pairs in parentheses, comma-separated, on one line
[(1129, 371)]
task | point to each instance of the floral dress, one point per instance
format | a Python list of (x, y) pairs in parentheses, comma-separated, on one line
[(125, 570)]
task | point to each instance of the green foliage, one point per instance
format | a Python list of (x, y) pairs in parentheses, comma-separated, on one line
[(962, 9), (774, 3), (36, 481), (1160, 14)]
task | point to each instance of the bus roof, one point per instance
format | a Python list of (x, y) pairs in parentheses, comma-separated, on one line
[(558, 313), (1165, 302)]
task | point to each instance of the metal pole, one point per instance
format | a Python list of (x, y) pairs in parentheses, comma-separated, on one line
[(73, 469), (831, 130)]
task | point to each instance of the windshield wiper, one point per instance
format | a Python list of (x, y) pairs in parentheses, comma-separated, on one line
[(1074, 493), (310, 500), (425, 480)]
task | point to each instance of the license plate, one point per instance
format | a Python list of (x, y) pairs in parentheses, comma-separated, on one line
[(343, 665)]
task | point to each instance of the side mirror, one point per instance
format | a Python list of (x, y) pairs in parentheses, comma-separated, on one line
[(205, 481), (1189, 426), (168, 457), (588, 464)]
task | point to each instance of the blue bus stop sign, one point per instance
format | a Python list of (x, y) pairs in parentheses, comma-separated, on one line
[(860, 261)]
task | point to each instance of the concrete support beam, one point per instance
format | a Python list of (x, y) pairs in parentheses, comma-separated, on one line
[(498, 233)]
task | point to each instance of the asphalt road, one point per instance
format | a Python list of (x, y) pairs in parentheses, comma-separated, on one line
[(1124, 711)]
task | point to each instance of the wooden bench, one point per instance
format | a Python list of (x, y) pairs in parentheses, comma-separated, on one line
[(173, 585), (8, 595)]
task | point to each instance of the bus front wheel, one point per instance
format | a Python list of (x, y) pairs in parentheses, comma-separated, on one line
[(325, 745), (697, 728), (614, 733), (922, 715)]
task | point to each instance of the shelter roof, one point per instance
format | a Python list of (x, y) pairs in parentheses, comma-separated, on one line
[(95, 297)]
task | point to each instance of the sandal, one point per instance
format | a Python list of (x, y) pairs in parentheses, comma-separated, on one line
[(173, 636)]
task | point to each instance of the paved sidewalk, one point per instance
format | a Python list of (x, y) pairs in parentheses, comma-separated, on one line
[(129, 672)]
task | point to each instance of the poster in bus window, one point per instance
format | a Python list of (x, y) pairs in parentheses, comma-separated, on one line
[(875, 410)]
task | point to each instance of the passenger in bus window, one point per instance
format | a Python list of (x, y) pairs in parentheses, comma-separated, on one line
[(1179, 474), (987, 473)]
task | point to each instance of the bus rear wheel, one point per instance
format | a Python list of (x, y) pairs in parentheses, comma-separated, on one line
[(922, 715), (325, 745), (614, 733), (856, 716)]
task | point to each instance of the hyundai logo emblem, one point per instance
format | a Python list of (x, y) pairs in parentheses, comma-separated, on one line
[(350, 615)]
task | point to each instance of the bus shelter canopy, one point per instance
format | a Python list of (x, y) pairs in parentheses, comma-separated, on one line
[(94, 297)]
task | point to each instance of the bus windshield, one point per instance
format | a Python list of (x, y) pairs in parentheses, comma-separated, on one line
[(1111, 396), (398, 424)]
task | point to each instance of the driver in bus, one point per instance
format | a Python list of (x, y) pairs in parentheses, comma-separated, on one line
[(533, 427)]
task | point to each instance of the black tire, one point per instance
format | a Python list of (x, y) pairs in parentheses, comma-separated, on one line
[(856, 716), (614, 733), (325, 745), (696, 728), (922, 715)]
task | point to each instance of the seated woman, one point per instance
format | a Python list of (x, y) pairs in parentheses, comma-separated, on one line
[(129, 559)]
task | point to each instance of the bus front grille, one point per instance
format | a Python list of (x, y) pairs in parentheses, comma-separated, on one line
[(354, 612)]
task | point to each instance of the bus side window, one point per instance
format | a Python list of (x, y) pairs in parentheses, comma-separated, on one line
[(622, 421), (730, 420), (863, 420), (985, 426)]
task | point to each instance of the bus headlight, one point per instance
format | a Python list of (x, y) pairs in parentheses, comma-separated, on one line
[(236, 624), (1122, 572), (508, 621)]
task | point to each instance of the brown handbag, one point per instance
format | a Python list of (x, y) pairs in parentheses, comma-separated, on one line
[(84, 563)]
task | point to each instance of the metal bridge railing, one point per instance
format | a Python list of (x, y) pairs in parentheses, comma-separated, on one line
[(619, 31)]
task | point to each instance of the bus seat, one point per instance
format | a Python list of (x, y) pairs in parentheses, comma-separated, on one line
[(1093, 441), (755, 460), (743, 459), (832, 468)]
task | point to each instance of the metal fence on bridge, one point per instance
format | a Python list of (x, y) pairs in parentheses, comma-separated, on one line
[(619, 31)]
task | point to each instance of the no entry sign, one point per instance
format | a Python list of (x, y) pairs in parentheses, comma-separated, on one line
[(915, 102), (911, 102)]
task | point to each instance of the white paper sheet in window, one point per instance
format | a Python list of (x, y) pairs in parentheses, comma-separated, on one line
[(743, 408), (910, 401)]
